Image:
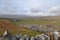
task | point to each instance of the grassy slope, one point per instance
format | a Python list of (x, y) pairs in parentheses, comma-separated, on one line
[(53, 22), (7, 25)]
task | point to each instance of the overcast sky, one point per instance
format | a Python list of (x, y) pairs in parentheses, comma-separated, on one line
[(30, 7)]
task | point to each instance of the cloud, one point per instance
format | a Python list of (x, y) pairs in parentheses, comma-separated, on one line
[(8, 5), (8, 12), (35, 9), (54, 10), (40, 14), (29, 7)]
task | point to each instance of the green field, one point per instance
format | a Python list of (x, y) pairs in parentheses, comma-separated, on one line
[(40, 22), (55, 22), (6, 24)]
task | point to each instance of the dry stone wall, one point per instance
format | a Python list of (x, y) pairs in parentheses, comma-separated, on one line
[(8, 36)]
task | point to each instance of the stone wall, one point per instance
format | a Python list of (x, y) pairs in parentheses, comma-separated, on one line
[(52, 36)]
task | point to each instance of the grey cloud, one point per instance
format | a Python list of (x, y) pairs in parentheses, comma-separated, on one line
[(55, 10), (35, 10)]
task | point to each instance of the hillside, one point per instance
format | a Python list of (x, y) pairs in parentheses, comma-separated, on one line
[(46, 22), (7, 25)]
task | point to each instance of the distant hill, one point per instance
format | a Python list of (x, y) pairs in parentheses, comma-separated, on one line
[(29, 17)]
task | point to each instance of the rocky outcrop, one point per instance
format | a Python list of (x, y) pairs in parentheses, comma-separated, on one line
[(41, 28)]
